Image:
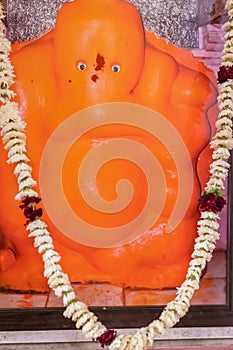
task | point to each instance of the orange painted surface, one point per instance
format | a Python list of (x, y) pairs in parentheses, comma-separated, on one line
[(51, 86)]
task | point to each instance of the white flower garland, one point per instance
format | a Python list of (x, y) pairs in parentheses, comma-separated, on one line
[(14, 139)]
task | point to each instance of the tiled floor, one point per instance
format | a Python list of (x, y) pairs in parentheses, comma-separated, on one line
[(212, 291)]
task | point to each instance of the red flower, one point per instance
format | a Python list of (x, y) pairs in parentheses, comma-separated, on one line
[(107, 337), (225, 73), (211, 202), (29, 200), (29, 208), (31, 213)]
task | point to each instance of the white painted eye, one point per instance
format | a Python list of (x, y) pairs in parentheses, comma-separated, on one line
[(81, 65), (116, 68)]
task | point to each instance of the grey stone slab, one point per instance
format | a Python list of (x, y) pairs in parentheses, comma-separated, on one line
[(217, 336), (175, 20)]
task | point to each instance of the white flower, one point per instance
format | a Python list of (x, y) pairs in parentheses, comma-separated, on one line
[(209, 223), (193, 273), (41, 240), (209, 215), (150, 334), (218, 170), (49, 254), (226, 132), (53, 257), (223, 122), (228, 5), (221, 153), (50, 268), (84, 318), (38, 232), (6, 73), (187, 292), (202, 254), (227, 59), (225, 113), (9, 112), (227, 49), (58, 276), (26, 193), (157, 326), (198, 262), (52, 260), (16, 158), (13, 135), (78, 313), (169, 318), (139, 340), (67, 298), (219, 173), (14, 142), (16, 149), (226, 85), (94, 331), (36, 224), (202, 230), (221, 143), (180, 307), (224, 95), (73, 307), (28, 182), (207, 246), (189, 285), (121, 342), (227, 26), (226, 103), (212, 237), (182, 297), (43, 247), (92, 328), (220, 163), (230, 12), (23, 175), (214, 183), (5, 45), (16, 126), (60, 289), (22, 167), (9, 94)]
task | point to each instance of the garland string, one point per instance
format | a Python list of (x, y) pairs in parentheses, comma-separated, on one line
[(210, 203)]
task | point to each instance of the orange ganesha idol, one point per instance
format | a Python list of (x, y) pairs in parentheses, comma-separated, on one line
[(118, 123)]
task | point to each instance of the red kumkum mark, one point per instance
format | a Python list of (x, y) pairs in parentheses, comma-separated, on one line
[(100, 62)]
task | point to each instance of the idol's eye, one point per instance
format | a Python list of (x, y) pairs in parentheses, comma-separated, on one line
[(116, 68), (81, 66)]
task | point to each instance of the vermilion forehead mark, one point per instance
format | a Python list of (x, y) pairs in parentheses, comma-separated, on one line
[(100, 62)]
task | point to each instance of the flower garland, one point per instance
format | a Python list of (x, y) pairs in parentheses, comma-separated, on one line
[(210, 203)]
